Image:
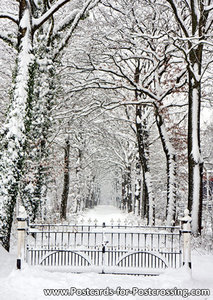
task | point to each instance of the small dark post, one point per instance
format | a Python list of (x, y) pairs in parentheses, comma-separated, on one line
[(104, 242)]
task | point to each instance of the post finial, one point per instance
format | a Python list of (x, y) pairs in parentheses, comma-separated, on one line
[(186, 217), (186, 212), (22, 212)]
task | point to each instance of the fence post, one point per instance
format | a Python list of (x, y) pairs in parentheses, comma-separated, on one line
[(104, 243), (186, 231), (22, 227)]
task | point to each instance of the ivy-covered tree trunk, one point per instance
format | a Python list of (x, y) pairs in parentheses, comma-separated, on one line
[(14, 131), (15, 145), (39, 127)]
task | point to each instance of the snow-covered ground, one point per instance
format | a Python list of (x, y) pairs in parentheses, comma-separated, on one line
[(30, 282), (106, 213)]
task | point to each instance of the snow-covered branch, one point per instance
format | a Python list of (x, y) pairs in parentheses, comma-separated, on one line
[(40, 21), (208, 8), (178, 16), (113, 105), (9, 17), (66, 21), (88, 5)]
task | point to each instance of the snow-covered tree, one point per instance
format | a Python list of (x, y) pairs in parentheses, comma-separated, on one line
[(194, 24), (29, 18)]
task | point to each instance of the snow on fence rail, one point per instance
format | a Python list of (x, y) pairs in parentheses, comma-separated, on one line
[(114, 248)]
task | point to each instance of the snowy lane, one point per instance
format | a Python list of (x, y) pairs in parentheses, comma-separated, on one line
[(105, 213)]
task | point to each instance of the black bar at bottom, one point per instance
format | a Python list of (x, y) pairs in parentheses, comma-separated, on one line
[(18, 264), (189, 264)]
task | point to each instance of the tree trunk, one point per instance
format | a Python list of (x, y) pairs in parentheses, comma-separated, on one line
[(171, 169), (194, 29), (123, 200), (195, 164), (138, 185), (65, 193), (143, 148), (129, 190), (126, 190)]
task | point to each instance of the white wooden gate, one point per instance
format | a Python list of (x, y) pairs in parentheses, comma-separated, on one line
[(127, 249)]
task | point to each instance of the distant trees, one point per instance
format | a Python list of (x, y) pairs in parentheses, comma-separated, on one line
[(153, 58), (136, 58), (156, 54)]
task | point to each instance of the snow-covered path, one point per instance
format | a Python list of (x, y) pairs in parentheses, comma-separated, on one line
[(29, 283), (105, 213)]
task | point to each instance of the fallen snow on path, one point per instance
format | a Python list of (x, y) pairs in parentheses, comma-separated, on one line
[(106, 213), (29, 283)]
